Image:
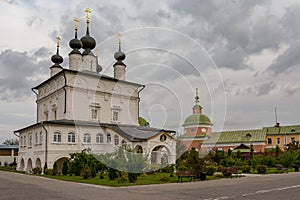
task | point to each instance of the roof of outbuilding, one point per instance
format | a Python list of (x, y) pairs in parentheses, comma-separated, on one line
[(240, 136), (130, 132), (4, 146), (272, 130)]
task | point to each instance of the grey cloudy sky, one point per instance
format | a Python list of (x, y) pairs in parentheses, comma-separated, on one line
[(242, 55)]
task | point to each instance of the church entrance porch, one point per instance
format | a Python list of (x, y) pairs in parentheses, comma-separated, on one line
[(160, 155)]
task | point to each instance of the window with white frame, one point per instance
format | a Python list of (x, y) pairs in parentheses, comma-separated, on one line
[(115, 116), (87, 138), (116, 140), (124, 144), (71, 137), (108, 138), (30, 140), (292, 140), (94, 113), (41, 137), (278, 140), (99, 138), (36, 138), (269, 140), (57, 137)]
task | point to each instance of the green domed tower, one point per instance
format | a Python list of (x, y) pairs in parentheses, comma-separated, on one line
[(196, 126)]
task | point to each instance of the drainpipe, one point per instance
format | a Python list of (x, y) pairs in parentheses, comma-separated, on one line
[(139, 100), (46, 144), (37, 108), (64, 88)]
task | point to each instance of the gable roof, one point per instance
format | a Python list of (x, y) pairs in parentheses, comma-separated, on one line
[(240, 136)]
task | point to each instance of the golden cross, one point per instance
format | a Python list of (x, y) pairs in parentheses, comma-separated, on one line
[(58, 41), (119, 38), (76, 23), (88, 11)]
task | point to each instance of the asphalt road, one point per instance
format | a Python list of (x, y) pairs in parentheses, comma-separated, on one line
[(275, 187)]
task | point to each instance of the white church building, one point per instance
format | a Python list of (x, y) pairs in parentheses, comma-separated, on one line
[(81, 108)]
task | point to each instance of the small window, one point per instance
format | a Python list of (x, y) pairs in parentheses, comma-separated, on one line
[(21, 141), (115, 116), (41, 137), (99, 138), (278, 140), (71, 137), (25, 141), (192, 130), (94, 114), (36, 138), (54, 114), (57, 137), (293, 130), (269, 140), (46, 116), (124, 144), (30, 140), (292, 140), (116, 140), (87, 138), (108, 138)]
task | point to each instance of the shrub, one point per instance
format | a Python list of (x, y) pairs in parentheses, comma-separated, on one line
[(5, 164), (210, 170), (261, 169), (37, 170), (132, 177), (164, 179), (65, 168), (48, 171), (55, 169), (246, 169), (112, 173), (85, 173), (101, 175)]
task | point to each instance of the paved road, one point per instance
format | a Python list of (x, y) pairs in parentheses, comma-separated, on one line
[(275, 187)]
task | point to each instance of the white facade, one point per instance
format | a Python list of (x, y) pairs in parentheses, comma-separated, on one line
[(78, 108)]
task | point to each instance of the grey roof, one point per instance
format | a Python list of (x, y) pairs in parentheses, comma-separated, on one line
[(4, 146), (130, 132)]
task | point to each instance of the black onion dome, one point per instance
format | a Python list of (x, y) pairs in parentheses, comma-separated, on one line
[(120, 55), (75, 44), (57, 59), (88, 43)]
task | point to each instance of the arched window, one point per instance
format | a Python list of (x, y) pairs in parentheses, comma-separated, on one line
[(21, 141), (99, 138), (57, 137), (71, 137), (36, 138), (41, 137), (116, 140), (87, 138), (124, 144), (24, 141), (108, 138), (30, 140)]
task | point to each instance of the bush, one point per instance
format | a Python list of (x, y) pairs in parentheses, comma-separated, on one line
[(164, 179), (55, 169), (101, 175), (246, 169), (5, 164), (262, 169), (65, 168), (112, 173), (37, 170), (132, 177), (86, 173), (48, 171), (210, 170)]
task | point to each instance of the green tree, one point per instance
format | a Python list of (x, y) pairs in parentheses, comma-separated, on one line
[(55, 169), (65, 168)]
